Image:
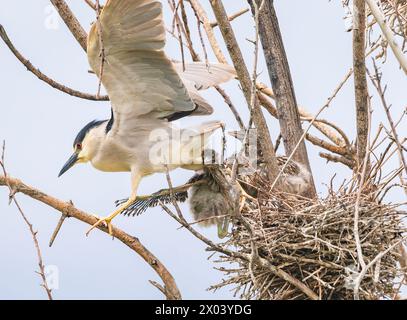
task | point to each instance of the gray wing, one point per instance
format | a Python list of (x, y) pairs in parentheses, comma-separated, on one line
[(139, 78)]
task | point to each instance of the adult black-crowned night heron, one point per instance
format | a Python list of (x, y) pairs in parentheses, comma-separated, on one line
[(147, 91), (210, 201)]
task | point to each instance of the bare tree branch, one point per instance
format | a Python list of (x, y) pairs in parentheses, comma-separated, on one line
[(91, 4), (359, 67), (44, 77), (71, 21), (12, 197), (201, 13), (171, 289), (337, 159), (246, 82), (232, 17), (376, 80), (281, 81), (387, 33)]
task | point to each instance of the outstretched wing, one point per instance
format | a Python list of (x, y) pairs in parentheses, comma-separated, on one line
[(139, 78)]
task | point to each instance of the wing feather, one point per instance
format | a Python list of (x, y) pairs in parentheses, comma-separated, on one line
[(139, 78), (205, 76), (199, 76)]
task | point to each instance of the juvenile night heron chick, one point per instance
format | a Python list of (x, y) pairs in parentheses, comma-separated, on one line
[(209, 206), (295, 177), (147, 91)]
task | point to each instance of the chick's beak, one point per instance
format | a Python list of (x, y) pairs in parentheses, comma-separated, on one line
[(69, 164)]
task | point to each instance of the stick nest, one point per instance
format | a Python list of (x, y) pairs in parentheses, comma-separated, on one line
[(314, 243)]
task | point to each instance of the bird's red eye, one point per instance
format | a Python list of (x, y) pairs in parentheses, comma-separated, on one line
[(78, 146)]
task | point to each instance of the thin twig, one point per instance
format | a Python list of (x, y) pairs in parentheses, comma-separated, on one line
[(57, 229), (266, 143), (29, 225), (376, 80), (387, 33), (172, 291), (232, 17), (30, 67), (91, 4), (362, 180)]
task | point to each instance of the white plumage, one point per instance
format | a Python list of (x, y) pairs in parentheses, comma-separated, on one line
[(147, 92)]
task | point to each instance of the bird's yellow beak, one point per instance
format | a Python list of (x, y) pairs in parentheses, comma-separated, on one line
[(69, 164)]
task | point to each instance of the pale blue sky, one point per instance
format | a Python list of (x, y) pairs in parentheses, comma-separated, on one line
[(39, 124)]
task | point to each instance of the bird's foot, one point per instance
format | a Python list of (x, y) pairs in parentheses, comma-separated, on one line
[(107, 221), (223, 227), (243, 197)]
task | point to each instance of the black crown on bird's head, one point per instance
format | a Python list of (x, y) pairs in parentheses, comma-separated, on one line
[(84, 131), (77, 145)]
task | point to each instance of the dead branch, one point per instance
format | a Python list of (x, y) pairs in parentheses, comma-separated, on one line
[(337, 159), (231, 17), (231, 106), (281, 81), (171, 289), (364, 169), (201, 13), (387, 33), (91, 4), (71, 21), (12, 198), (57, 229), (30, 67), (326, 145), (376, 80), (246, 82), (359, 67)]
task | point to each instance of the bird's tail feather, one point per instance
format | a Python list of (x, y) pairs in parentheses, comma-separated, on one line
[(203, 76)]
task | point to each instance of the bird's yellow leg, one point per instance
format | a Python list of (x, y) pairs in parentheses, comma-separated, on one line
[(243, 197), (108, 220), (135, 180), (223, 227), (243, 194)]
